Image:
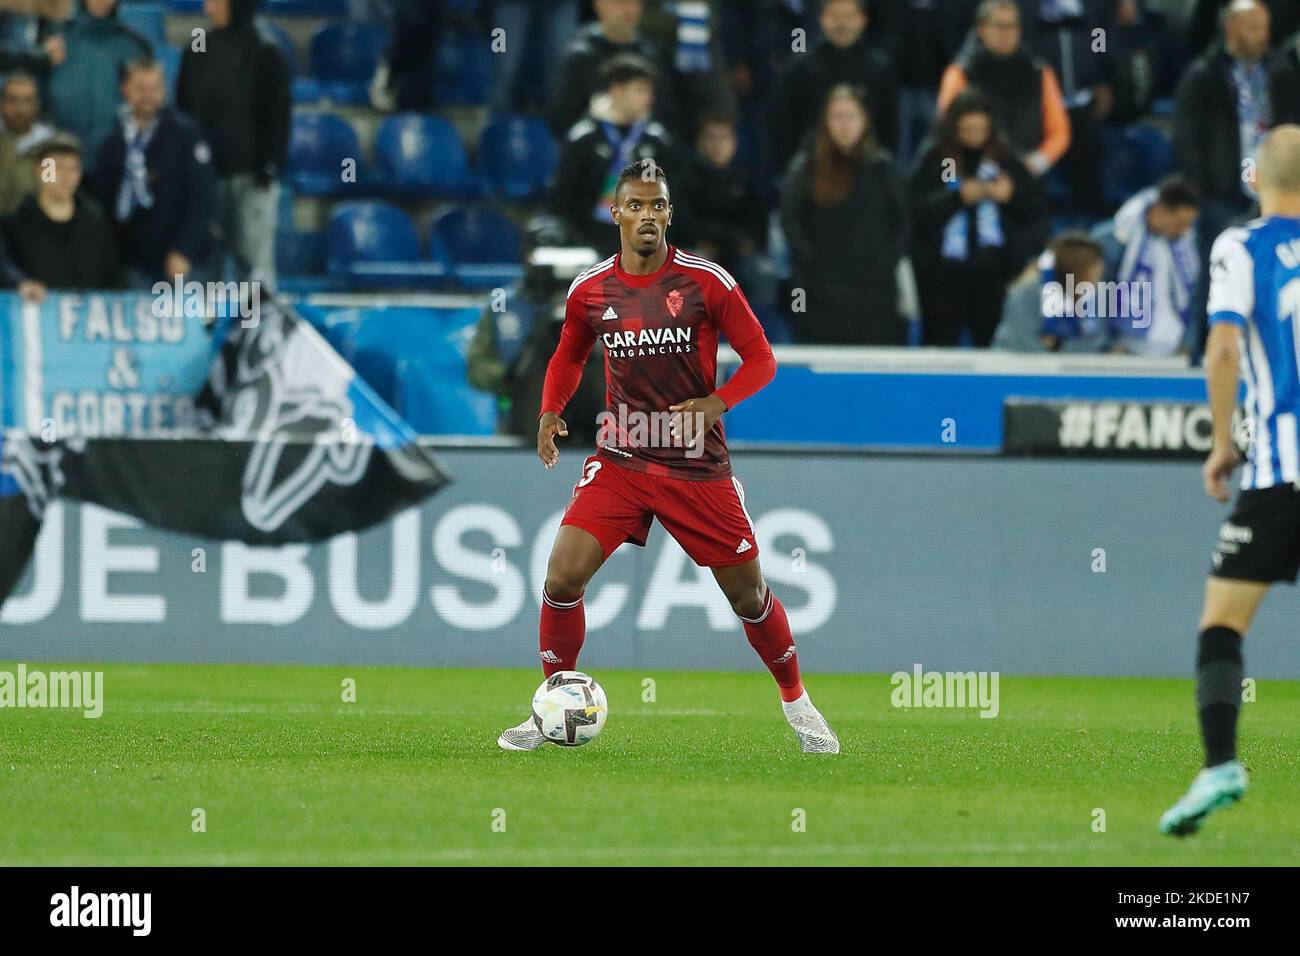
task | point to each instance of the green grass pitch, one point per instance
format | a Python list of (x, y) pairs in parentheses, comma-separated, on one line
[(287, 773)]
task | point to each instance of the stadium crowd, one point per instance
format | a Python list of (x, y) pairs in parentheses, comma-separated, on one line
[(874, 172)]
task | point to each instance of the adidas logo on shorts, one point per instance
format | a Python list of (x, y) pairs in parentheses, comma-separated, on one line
[(744, 546)]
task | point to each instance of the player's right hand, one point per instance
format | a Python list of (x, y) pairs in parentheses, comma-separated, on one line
[(548, 427), (1217, 470)]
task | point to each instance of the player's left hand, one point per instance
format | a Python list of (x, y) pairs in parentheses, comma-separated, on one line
[(694, 418)]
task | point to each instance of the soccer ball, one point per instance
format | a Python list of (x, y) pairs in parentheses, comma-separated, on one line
[(570, 708)]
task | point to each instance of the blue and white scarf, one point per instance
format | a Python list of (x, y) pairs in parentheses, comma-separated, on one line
[(1254, 109), (135, 193), (622, 144), (1168, 270), (988, 220), (693, 55)]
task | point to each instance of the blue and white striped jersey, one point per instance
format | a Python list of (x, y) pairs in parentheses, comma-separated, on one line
[(1255, 284)]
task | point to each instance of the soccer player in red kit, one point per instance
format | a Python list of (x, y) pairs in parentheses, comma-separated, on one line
[(659, 312)]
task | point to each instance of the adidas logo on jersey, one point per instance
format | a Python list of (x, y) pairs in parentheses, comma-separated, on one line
[(744, 546), (610, 315)]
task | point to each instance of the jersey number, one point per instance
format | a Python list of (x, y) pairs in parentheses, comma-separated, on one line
[(589, 475)]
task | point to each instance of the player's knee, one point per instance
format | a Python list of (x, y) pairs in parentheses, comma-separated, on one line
[(749, 602), (565, 583)]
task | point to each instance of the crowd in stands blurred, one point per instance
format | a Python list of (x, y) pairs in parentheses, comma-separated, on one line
[(874, 172)]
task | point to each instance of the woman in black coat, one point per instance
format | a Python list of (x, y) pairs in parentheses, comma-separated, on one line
[(976, 218), (844, 216)]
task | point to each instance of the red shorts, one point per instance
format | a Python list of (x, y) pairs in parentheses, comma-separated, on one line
[(707, 518)]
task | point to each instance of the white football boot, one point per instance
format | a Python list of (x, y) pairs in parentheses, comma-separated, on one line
[(525, 736), (815, 735)]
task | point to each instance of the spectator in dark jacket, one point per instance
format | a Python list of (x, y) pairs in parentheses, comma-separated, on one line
[(83, 95), (1022, 90), (1203, 29), (617, 131), (1220, 117), (842, 56), (20, 109), (1062, 33), (844, 216), (1284, 81), (727, 220), (237, 90), (616, 30), (155, 180), (57, 239), (976, 217)]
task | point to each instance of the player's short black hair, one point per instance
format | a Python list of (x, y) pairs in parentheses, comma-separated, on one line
[(645, 170), (1178, 192), (624, 68)]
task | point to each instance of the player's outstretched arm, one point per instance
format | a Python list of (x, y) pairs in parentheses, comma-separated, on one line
[(548, 426)]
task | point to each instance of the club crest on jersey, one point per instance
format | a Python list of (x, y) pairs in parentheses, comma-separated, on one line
[(674, 301)]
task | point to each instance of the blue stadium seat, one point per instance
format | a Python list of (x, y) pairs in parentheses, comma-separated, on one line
[(516, 157), (146, 19), (422, 155), (1136, 157), (299, 253), (344, 57), (319, 143), (463, 68), (374, 244), (482, 245)]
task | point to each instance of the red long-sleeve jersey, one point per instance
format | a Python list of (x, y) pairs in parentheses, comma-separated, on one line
[(660, 333)]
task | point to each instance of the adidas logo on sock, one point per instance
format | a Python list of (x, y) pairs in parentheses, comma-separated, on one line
[(550, 658), (744, 546), (789, 653), (610, 315)]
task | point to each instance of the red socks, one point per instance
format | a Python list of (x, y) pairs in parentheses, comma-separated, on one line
[(562, 629), (769, 635)]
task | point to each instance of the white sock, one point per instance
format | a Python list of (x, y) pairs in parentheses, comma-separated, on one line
[(800, 705)]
